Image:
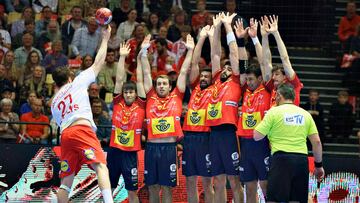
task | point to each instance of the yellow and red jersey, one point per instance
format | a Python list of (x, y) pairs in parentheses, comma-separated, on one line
[(223, 103), (294, 82), (163, 114), (253, 109), (195, 117), (127, 124)]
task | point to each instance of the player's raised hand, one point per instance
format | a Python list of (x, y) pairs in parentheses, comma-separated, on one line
[(264, 24), (217, 20), (239, 29), (273, 24), (124, 49), (106, 33), (210, 31), (253, 28), (204, 31), (189, 42), (227, 18)]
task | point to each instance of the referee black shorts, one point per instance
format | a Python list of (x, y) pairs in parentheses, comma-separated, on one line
[(288, 178)]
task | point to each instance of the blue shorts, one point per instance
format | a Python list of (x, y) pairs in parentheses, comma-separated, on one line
[(196, 157), (123, 163), (160, 164), (224, 150), (254, 159)]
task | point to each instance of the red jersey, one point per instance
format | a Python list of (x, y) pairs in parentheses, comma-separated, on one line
[(163, 114), (295, 83), (127, 124), (199, 20), (223, 103), (253, 109), (195, 116)]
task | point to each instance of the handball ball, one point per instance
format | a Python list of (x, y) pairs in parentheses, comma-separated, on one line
[(103, 16)]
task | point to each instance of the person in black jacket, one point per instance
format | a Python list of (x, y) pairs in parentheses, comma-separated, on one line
[(68, 27), (341, 118), (316, 110)]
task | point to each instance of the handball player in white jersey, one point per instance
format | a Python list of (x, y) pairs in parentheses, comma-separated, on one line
[(72, 111)]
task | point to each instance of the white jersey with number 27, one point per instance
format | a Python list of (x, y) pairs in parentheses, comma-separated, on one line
[(71, 102)]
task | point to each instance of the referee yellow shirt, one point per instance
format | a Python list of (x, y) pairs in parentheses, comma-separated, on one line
[(287, 127)]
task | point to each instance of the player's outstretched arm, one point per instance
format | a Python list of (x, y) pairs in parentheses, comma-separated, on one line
[(266, 54), (258, 48), (140, 77), (145, 64), (194, 73), (181, 82), (231, 41), (120, 71), (240, 33), (215, 46), (101, 55), (273, 29)]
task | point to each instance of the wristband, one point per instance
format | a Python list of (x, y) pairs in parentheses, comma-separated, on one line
[(255, 40), (66, 188), (318, 164), (240, 42), (230, 37), (144, 52)]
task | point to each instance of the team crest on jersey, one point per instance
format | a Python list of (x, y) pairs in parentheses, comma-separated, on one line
[(250, 121), (214, 110), (163, 125), (64, 166), (124, 138), (196, 117), (89, 154)]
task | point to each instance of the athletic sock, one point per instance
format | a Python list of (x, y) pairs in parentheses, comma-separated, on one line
[(107, 196)]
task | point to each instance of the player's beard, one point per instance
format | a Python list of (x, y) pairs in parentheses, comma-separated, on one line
[(224, 77), (203, 84)]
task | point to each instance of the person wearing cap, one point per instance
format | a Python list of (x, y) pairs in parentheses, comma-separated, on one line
[(9, 92), (287, 127)]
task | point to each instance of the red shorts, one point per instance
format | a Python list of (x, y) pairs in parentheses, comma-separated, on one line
[(79, 145)]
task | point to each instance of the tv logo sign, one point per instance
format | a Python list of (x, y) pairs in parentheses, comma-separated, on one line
[(294, 119)]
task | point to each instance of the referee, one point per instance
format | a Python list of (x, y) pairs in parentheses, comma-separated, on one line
[(287, 127)]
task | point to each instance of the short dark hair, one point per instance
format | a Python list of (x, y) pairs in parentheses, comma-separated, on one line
[(287, 91), (109, 50), (129, 85), (96, 101), (61, 75), (162, 42), (278, 67), (29, 21), (253, 69), (313, 91), (206, 69)]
